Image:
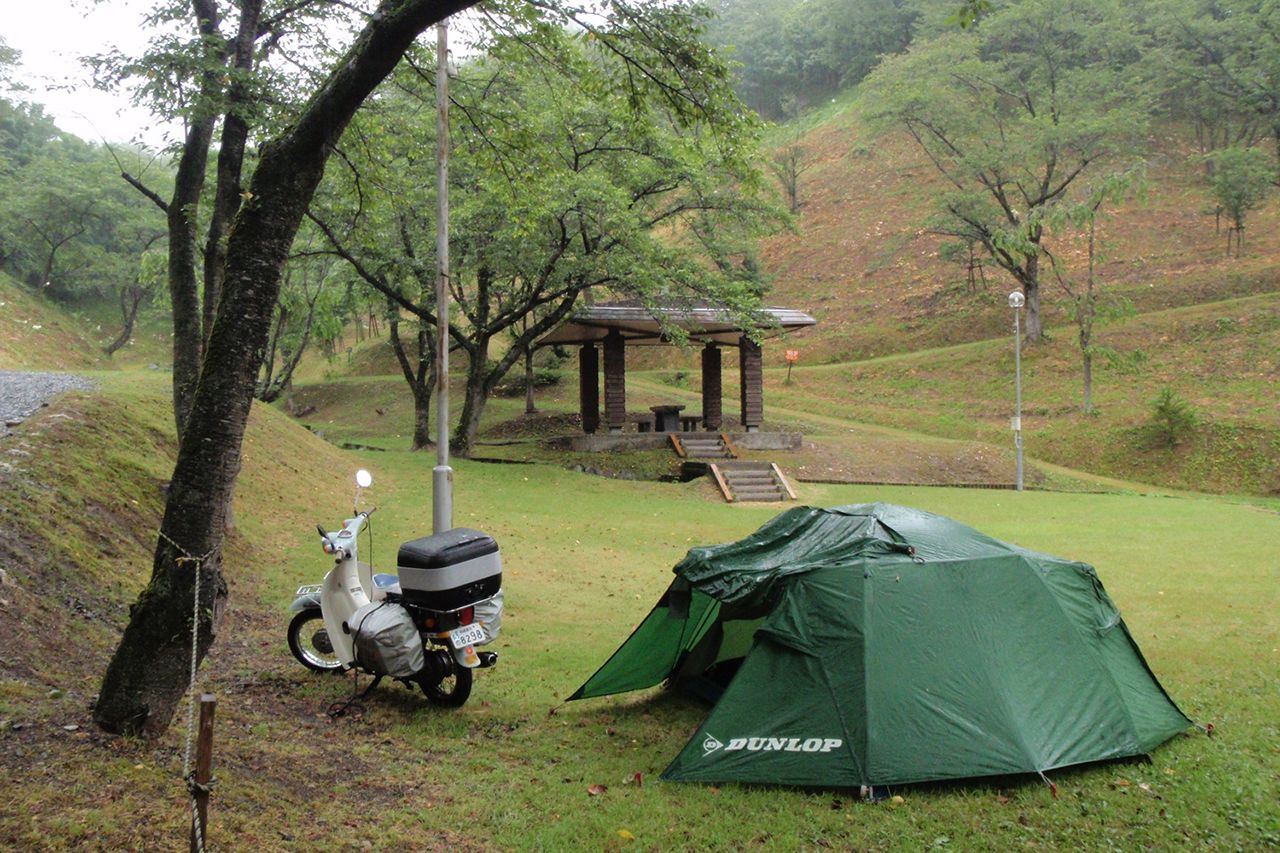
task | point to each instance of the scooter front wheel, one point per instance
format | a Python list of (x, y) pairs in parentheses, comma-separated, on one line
[(310, 644), (452, 691)]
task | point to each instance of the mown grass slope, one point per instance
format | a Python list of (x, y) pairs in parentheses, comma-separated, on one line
[(40, 334), (36, 333), (1222, 358)]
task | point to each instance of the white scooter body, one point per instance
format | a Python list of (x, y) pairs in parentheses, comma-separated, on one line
[(344, 590)]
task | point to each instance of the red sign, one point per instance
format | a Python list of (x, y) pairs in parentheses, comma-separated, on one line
[(793, 355)]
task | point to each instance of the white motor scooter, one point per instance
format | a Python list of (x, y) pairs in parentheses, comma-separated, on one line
[(421, 627)]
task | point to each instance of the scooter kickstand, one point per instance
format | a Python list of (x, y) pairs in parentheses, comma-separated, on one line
[(363, 693)]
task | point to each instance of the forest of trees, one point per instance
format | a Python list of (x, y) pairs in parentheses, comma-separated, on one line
[(1028, 107), (569, 176)]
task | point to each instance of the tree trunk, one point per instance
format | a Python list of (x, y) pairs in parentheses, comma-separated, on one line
[(529, 407), (148, 674), (1085, 313), (291, 358), (183, 291), (235, 132), (1031, 290), (130, 298), (474, 397), (1088, 382), (278, 330), (419, 378), (182, 213)]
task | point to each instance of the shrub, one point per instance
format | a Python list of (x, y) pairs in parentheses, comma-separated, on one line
[(514, 384), (676, 378), (1172, 420)]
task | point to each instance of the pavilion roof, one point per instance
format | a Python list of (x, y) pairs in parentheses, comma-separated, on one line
[(641, 325)]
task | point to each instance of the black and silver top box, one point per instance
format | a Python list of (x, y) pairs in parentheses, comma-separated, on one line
[(450, 570)]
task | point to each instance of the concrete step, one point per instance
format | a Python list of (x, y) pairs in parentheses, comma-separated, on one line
[(749, 481), (766, 495), (751, 484), (704, 446)]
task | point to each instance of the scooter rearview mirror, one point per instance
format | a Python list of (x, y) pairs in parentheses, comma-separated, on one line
[(364, 479)]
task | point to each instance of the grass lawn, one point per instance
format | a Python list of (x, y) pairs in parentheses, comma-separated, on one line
[(585, 558)]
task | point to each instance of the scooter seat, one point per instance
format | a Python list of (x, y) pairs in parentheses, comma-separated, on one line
[(391, 583)]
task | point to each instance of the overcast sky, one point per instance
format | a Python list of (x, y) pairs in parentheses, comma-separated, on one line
[(52, 35)]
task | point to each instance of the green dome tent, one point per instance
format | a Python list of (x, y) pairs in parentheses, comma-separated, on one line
[(875, 644)]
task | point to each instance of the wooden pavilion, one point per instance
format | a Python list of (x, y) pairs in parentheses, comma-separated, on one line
[(612, 327)]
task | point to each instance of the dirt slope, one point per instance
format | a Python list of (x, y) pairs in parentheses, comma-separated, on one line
[(866, 266)]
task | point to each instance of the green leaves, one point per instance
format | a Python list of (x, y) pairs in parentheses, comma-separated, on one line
[(1013, 113), (1241, 179)]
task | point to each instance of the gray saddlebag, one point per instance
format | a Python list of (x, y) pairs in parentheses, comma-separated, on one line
[(386, 640), (489, 615)]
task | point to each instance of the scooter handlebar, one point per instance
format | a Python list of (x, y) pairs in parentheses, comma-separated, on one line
[(329, 546)]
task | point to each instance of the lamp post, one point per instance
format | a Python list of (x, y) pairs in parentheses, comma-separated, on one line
[(442, 474), (1016, 301)]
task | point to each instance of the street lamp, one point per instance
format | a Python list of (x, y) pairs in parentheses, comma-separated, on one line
[(1016, 301), (442, 474)]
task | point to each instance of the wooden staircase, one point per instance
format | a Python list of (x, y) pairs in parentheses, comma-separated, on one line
[(751, 481)]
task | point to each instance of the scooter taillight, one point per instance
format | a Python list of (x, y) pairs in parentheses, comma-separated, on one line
[(466, 615)]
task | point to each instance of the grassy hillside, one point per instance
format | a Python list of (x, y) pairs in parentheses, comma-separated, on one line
[(865, 265), (584, 559), (38, 334), (82, 496), (1223, 358), (946, 409), (862, 262)]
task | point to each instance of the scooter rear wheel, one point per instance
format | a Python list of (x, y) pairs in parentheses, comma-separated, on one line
[(309, 642), (451, 691)]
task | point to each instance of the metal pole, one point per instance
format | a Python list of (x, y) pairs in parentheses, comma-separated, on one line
[(442, 474), (1017, 385)]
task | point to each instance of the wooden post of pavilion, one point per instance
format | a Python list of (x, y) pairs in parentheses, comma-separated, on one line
[(589, 387), (712, 404), (751, 382), (615, 381)]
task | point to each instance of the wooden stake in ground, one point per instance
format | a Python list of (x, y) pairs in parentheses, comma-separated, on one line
[(202, 775)]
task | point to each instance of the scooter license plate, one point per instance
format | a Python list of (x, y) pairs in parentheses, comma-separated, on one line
[(467, 635)]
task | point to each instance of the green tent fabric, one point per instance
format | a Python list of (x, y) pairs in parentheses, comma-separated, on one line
[(878, 645)]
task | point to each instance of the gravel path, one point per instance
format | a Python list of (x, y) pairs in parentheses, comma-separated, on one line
[(22, 393)]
